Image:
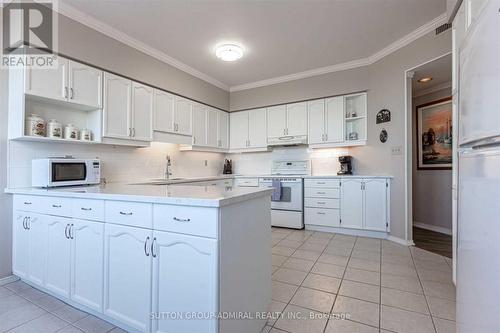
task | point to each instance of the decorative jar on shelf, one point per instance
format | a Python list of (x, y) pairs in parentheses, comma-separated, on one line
[(54, 129), (71, 132), (86, 135), (35, 125)]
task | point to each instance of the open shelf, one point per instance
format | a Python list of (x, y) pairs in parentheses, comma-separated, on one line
[(355, 118), (45, 139)]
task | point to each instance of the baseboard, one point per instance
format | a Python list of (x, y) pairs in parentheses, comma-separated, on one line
[(400, 240), (8, 279), (431, 227)]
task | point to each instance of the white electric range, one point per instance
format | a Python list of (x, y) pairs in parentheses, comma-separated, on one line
[(288, 210)]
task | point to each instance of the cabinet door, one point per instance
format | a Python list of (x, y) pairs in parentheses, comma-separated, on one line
[(238, 130), (316, 111), (184, 281), (117, 107), (20, 246), (212, 123), (183, 116), (199, 125), (85, 84), (164, 106), (375, 203), (334, 119), (37, 248), (49, 83), (57, 269), (127, 275), (87, 256), (257, 128), (351, 204), (142, 112), (296, 118), (223, 130), (276, 121)]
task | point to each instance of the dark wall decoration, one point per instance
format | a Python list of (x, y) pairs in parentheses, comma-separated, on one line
[(383, 136), (383, 116)]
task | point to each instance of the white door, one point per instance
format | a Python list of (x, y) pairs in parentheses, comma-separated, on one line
[(238, 130), (20, 246), (257, 128), (184, 281), (85, 85), (223, 130), (296, 118), (316, 110), (375, 203), (276, 121), (163, 119), (117, 107), (183, 116), (57, 269), (334, 119), (127, 275), (212, 124), (199, 125), (351, 204), (142, 112), (49, 82), (37, 248), (87, 257)]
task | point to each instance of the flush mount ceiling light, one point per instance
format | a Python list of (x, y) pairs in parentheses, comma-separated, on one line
[(425, 79), (229, 52)]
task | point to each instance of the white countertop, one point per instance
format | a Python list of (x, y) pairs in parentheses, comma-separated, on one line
[(185, 195), (348, 176)]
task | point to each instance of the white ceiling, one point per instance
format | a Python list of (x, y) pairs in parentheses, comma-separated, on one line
[(280, 37), (441, 72)]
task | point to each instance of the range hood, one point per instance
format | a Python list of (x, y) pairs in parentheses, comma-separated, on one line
[(288, 140)]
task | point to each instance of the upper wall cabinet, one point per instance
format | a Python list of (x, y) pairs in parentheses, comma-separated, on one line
[(212, 127), (222, 130), (85, 85), (248, 130), (172, 114), (287, 120), (142, 112), (199, 125)]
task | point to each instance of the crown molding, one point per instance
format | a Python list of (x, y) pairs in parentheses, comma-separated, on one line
[(411, 37), (445, 85), (91, 22)]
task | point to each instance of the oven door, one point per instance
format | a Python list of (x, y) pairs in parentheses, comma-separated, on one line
[(291, 195), (65, 173)]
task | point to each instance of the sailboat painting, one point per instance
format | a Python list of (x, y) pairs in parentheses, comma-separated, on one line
[(434, 138)]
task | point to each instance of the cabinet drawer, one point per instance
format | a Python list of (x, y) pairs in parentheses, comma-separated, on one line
[(322, 203), (28, 203), (247, 182), (328, 183), (196, 221), (56, 206), (315, 192), (88, 209), (136, 214), (323, 217)]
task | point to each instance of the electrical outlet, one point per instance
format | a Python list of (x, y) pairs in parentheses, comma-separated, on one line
[(397, 150), (206, 162)]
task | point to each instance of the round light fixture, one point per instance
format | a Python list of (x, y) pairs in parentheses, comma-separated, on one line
[(229, 52), (425, 79)]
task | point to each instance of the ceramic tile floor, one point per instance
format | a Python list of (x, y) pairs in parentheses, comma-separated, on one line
[(380, 285)]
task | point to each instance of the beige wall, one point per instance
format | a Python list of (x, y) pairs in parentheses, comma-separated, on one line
[(385, 82), (432, 197)]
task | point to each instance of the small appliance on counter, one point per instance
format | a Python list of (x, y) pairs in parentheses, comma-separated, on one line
[(228, 167), (345, 165), (65, 171)]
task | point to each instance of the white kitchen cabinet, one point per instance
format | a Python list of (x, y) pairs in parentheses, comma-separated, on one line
[(199, 125), (57, 273), (164, 112), (48, 82), (87, 257), (355, 111), (375, 204), (37, 246), (142, 112), (212, 127), (257, 128), (183, 116), (222, 129), (276, 121), (174, 256), (117, 122), (85, 85), (351, 204), (317, 118), (296, 119), (20, 245), (127, 275), (238, 130), (334, 114)]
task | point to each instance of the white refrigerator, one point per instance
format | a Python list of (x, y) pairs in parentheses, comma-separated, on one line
[(478, 227)]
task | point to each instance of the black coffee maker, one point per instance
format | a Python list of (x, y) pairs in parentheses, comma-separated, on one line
[(345, 165), (228, 167)]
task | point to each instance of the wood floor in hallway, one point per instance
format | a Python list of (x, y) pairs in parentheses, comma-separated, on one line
[(432, 241)]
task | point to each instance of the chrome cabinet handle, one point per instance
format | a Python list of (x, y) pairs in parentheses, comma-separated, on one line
[(320, 213), (320, 183), (321, 192), (28, 220), (86, 209), (27, 203), (24, 223), (133, 131), (126, 214), (321, 203), (66, 231), (72, 93), (146, 246), (181, 220), (70, 231), (153, 246), (65, 92), (56, 206)]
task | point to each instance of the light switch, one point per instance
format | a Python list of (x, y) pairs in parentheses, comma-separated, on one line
[(397, 150)]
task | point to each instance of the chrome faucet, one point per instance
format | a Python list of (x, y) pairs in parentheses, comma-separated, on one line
[(168, 168)]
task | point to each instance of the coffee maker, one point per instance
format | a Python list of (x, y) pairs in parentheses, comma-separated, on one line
[(228, 167), (345, 165)]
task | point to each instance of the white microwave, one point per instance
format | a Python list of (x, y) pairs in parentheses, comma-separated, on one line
[(53, 172)]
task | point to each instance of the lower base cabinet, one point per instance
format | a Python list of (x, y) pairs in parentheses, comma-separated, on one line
[(37, 249), (58, 258)]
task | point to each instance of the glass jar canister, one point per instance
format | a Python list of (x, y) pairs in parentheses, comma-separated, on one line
[(35, 125), (54, 129), (71, 132)]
